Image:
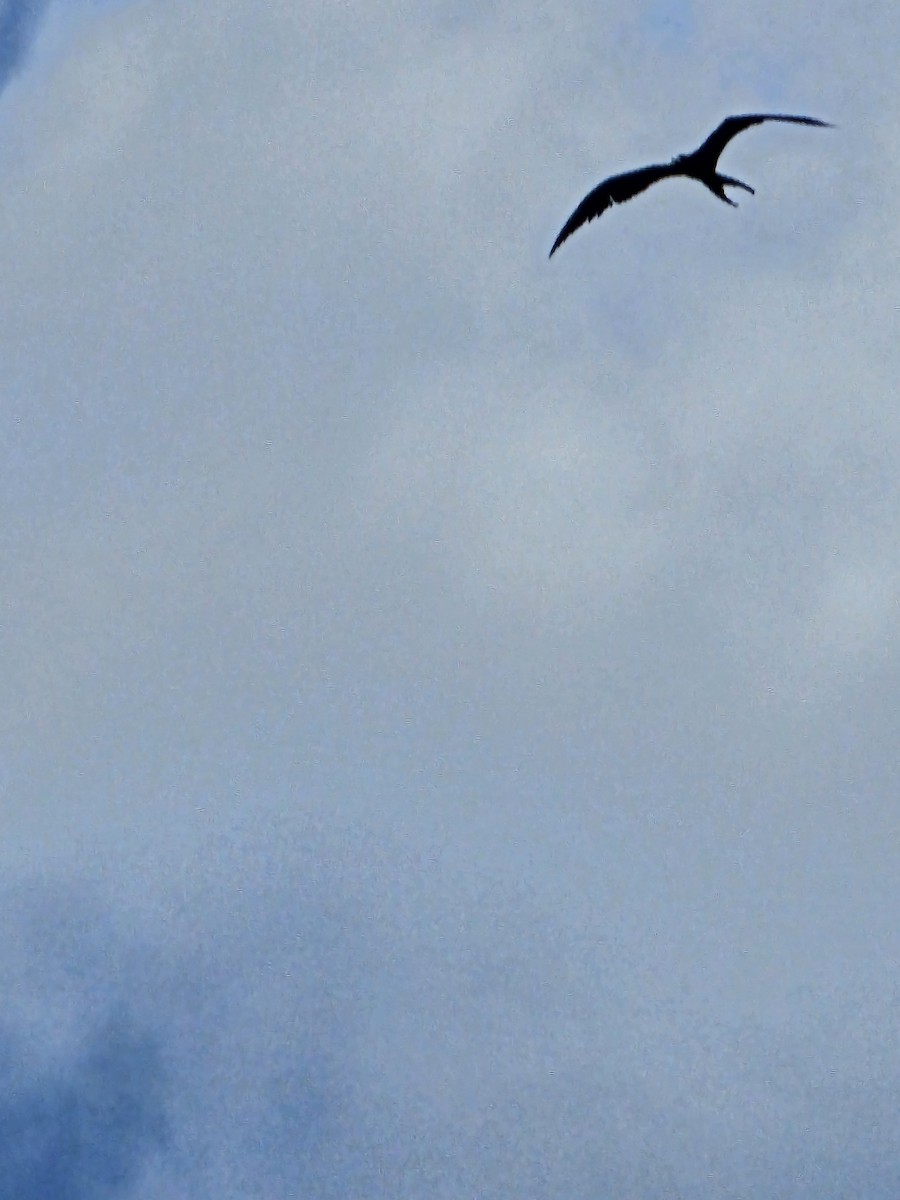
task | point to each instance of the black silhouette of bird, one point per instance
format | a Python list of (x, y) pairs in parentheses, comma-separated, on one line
[(701, 164)]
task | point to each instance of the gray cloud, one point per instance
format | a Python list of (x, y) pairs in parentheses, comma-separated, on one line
[(84, 1079), (18, 21), (468, 684), (84, 1129)]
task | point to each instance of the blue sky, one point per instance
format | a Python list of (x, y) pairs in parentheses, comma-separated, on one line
[(448, 717)]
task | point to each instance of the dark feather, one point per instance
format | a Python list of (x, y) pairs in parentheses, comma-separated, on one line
[(615, 190), (732, 126)]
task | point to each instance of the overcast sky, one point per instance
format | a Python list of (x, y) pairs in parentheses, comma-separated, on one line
[(449, 700)]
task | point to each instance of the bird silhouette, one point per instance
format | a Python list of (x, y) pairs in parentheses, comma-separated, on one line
[(701, 164)]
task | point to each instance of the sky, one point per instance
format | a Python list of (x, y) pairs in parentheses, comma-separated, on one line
[(450, 700)]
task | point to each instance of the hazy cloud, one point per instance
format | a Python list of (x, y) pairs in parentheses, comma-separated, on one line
[(469, 683), (85, 1129), (19, 21), (84, 1082)]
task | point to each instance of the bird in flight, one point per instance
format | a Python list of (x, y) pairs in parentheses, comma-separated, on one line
[(701, 164)]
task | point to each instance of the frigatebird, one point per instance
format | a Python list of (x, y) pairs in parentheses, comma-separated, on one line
[(701, 164)]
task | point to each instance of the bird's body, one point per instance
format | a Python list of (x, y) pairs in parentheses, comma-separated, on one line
[(701, 164)]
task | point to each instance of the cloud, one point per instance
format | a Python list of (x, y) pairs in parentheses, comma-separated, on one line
[(84, 1129), (84, 1107), (467, 682), (19, 22)]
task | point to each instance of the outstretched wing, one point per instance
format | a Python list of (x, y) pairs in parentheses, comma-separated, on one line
[(615, 190), (732, 126)]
